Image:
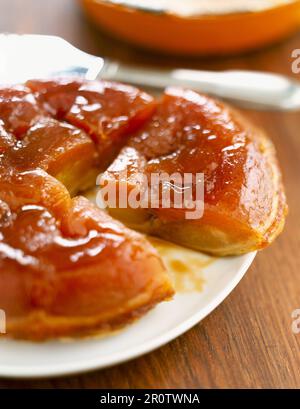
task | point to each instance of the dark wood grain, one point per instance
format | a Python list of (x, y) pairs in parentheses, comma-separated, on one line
[(248, 341)]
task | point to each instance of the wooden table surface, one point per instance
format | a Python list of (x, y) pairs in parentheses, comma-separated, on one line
[(247, 341)]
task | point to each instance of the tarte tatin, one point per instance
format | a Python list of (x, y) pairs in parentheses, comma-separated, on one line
[(69, 269)]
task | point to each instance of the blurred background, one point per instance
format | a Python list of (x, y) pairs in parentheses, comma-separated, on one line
[(89, 30), (243, 34)]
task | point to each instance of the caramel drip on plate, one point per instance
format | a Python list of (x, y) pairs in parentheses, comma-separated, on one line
[(184, 266)]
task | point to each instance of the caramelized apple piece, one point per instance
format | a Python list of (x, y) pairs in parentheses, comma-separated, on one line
[(71, 270), (107, 111), (56, 96), (33, 187), (244, 203), (19, 109), (65, 152)]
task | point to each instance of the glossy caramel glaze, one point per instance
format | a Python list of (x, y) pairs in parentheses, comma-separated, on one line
[(66, 268), (64, 151), (19, 109), (244, 202), (107, 111)]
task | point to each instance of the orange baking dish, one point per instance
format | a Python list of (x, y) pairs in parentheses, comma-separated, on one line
[(221, 33)]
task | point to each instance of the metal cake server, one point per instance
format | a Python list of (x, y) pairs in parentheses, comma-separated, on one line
[(39, 56)]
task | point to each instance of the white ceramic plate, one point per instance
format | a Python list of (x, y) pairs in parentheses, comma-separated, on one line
[(201, 289)]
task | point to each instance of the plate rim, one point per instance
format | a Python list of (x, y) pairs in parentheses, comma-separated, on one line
[(79, 367)]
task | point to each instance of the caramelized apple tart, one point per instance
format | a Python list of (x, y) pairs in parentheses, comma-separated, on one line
[(67, 268)]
